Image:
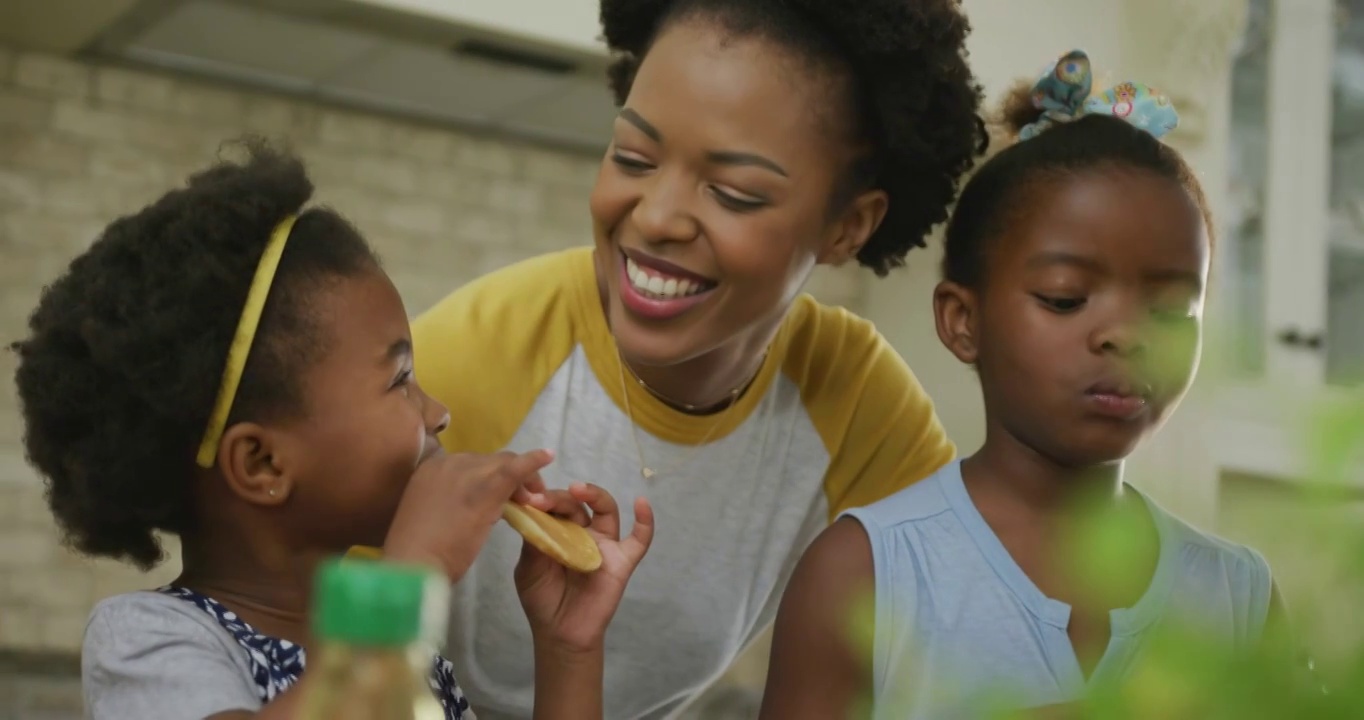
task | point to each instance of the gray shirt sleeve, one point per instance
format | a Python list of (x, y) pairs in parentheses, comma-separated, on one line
[(148, 656)]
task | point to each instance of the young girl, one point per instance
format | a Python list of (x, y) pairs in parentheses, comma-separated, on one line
[(155, 402), (1075, 273)]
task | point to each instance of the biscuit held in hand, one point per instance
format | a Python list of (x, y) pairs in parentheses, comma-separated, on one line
[(567, 542)]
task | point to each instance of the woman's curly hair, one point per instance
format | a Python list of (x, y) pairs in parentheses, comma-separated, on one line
[(914, 101), (126, 350)]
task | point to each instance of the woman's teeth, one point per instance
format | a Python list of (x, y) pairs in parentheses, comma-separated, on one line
[(663, 287)]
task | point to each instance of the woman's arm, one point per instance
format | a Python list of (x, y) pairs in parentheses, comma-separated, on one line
[(820, 666)]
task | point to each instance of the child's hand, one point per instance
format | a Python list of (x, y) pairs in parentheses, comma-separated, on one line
[(570, 609), (453, 501)]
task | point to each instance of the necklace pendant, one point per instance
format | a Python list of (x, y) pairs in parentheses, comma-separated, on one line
[(648, 473)]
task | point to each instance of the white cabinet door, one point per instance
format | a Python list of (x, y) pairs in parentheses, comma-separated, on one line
[(1293, 261)]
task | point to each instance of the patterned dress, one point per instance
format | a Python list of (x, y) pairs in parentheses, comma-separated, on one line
[(277, 664)]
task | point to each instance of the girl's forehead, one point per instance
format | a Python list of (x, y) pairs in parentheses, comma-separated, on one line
[(1116, 218)]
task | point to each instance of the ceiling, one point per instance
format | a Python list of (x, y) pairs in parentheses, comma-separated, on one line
[(375, 54)]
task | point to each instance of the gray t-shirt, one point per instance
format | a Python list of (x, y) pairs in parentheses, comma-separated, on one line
[(150, 656)]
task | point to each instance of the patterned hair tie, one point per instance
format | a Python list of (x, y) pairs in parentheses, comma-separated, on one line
[(1063, 94)]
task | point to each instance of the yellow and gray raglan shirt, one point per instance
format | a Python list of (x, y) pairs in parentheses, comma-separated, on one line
[(524, 359)]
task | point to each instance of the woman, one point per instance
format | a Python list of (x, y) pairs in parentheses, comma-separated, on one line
[(756, 139)]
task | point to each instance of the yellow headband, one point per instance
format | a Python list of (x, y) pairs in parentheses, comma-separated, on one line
[(241, 341)]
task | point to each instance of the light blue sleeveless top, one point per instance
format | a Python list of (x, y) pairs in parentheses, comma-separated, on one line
[(957, 617)]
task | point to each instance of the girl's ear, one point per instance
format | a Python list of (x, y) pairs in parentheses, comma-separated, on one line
[(255, 465), (955, 313)]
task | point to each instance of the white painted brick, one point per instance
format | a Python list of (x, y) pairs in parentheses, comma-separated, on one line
[(29, 231), (567, 207), (558, 168), (515, 197), (31, 151), (21, 628), (35, 513), (425, 145), (222, 108), (22, 110), (19, 190), (280, 120), (27, 548), (481, 228), (108, 126), (491, 156), (386, 174), (7, 59), (56, 587), (419, 217), (9, 507), (98, 199), (452, 186), (64, 628), (52, 75), (354, 130), (142, 90), (123, 164)]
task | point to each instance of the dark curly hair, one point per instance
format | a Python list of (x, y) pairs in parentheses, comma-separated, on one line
[(126, 349), (912, 100), (1001, 187)]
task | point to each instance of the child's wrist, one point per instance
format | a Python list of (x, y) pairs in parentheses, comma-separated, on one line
[(558, 652)]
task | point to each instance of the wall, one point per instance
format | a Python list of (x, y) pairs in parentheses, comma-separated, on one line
[(82, 144)]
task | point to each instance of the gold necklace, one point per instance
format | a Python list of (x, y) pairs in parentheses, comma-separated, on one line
[(645, 471), (687, 407)]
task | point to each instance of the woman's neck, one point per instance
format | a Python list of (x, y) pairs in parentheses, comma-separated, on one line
[(706, 384), (270, 590)]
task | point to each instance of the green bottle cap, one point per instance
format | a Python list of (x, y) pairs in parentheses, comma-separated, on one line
[(366, 603)]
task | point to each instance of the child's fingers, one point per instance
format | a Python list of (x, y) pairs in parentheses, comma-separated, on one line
[(605, 513), (526, 466), (565, 505), (642, 534)]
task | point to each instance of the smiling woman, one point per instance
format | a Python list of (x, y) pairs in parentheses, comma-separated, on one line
[(677, 357)]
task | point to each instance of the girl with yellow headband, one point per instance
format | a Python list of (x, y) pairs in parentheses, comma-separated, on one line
[(228, 368)]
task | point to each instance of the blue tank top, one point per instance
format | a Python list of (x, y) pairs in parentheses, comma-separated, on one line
[(957, 617)]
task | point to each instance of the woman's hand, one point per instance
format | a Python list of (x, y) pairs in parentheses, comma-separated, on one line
[(569, 611)]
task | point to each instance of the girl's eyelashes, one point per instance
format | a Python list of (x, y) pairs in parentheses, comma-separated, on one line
[(1060, 304)]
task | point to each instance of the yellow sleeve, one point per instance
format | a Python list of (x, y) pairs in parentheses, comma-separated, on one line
[(872, 413), (489, 348)]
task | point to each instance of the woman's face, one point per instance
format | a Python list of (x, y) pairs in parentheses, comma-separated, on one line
[(713, 203)]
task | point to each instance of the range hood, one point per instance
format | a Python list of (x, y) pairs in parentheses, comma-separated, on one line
[(494, 65)]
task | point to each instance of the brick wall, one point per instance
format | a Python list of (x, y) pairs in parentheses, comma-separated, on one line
[(81, 144)]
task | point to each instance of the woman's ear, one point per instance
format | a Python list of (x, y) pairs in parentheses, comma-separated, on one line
[(955, 312), (252, 462), (852, 231)]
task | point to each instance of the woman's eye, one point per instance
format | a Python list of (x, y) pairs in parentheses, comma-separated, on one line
[(736, 202), (630, 164)]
